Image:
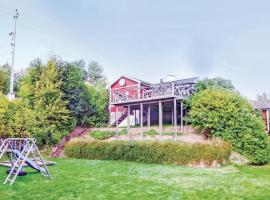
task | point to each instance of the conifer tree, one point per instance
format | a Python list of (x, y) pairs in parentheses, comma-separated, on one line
[(50, 108)]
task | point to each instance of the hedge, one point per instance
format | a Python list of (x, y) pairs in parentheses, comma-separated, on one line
[(151, 152)]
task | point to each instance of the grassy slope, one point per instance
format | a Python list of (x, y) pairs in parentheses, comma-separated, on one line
[(84, 179)]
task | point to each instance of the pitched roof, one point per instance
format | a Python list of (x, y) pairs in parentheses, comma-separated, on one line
[(138, 80), (187, 80), (180, 81), (262, 104)]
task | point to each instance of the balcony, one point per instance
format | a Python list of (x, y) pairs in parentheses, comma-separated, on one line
[(180, 89)]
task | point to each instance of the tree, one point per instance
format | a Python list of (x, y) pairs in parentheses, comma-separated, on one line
[(73, 88), (28, 81), (223, 113), (16, 119), (96, 110), (95, 74), (53, 118), (214, 82), (4, 78), (3, 115)]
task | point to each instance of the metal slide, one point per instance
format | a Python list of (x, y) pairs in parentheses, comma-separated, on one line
[(26, 152), (29, 162)]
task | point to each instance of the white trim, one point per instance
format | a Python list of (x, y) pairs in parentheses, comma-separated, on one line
[(139, 90)]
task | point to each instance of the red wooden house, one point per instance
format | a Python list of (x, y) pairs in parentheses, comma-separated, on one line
[(137, 102), (264, 107)]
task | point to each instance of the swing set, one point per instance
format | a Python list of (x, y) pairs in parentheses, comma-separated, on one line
[(22, 152)]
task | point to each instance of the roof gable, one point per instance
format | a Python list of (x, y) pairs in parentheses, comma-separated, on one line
[(126, 78)]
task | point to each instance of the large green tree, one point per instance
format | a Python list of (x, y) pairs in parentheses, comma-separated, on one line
[(28, 81), (96, 110), (224, 113), (95, 74), (53, 118), (73, 88)]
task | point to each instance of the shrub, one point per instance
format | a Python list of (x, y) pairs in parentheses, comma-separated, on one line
[(268, 149), (16, 119), (122, 132), (150, 152), (223, 113), (151, 132), (101, 135)]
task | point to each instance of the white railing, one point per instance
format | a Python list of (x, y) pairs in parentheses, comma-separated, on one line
[(154, 91)]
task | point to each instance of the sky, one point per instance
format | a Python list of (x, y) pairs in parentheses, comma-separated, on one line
[(147, 39)]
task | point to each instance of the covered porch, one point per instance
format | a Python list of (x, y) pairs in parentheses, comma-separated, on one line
[(146, 114)]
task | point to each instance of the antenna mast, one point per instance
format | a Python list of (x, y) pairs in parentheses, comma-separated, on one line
[(11, 94)]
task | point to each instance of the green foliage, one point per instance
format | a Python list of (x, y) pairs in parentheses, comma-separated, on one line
[(95, 75), (73, 88), (123, 132), (16, 119), (53, 119), (4, 79), (150, 152), (28, 82), (268, 149), (102, 135), (223, 113), (54, 98), (96, 110), (214, 82), (151, 132)]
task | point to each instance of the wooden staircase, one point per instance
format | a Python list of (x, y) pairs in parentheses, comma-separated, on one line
[(121, 116)]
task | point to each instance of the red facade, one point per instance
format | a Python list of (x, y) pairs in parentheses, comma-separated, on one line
[(130, 87), (266, 119), (128, 82)]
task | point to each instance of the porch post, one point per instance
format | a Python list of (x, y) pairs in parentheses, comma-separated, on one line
[(135, 118), (160, 118), (149, 116), (175, 117), (172, 115), (128, 123), (267, 119), (116, 121), (181, 116), (141, 119)]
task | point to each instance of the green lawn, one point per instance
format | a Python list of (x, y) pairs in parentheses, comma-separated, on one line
[(85, 179)]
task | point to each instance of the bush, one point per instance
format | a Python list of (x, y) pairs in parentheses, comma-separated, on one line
[(151, 132), (123, 132), (101, 135), (150, 152), (268, 149), (223, 113)]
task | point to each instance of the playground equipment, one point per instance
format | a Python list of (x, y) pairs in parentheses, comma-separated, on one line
[(22, 152)]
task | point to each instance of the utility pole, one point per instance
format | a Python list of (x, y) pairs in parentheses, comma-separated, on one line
[(11, 94)]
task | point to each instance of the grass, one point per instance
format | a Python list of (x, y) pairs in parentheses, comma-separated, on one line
[(86, 179)]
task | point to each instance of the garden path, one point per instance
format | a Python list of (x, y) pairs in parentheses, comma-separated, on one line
[(57, 150)]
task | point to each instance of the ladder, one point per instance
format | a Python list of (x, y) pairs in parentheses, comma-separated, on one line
[(3, 147), (43, 169), (29, 150)]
